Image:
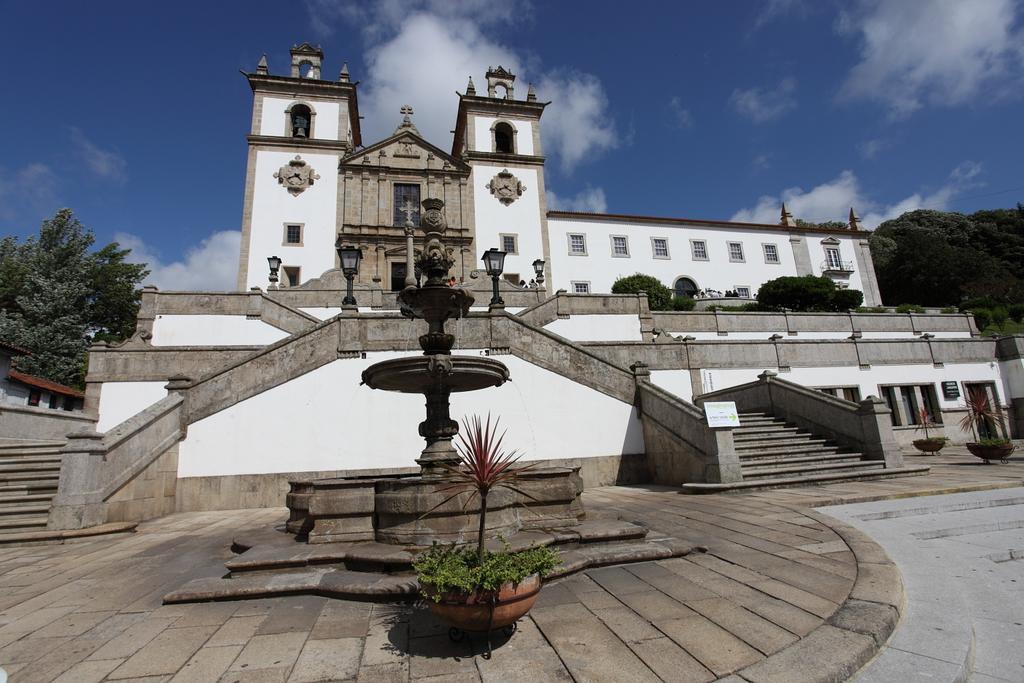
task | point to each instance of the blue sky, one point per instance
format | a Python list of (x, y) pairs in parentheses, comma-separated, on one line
[(134, 114)]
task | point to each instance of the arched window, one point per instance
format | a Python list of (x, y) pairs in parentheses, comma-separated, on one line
[(685, 287), (300, 120), (504, 136)]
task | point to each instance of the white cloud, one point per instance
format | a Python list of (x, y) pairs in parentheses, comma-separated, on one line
[(104, 163), (577, 124), (774, 9), (831, 201), (210, 266), (590, 200), (32, 187), (764, 104), (422, 52), (681, 116), (944, 52), (761, 162), (869, 149)]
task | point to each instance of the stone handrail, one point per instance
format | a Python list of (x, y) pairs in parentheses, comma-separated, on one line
[(28, 422), (95, 466), (281, 315), (682, 322), (680, 445), (864, 426)]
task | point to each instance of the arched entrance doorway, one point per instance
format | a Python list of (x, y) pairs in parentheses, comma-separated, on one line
[(685, 287)]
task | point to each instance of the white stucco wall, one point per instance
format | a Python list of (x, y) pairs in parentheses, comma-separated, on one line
[(325, 126), (121, 400), (333, 423), (597, 328), (213, 330), (482, 134), (521, 217), (273, 207), (601, 269)]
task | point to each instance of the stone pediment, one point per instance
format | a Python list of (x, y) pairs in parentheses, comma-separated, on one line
[(405, 150)]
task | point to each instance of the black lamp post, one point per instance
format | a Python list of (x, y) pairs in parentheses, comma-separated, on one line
[(538, 268), (275, 265), (350, 258), (494, 264)]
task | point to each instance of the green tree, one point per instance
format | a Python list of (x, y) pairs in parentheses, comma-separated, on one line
[(659, 297), (57, 296), (806, 293)]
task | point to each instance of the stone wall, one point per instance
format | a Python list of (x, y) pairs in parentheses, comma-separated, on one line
[(792, 324), (28, 422)]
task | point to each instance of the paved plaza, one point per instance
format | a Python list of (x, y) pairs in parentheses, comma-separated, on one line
[(782, 593)]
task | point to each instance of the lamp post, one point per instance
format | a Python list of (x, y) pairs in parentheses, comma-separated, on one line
[(275, 265), (538, 268), (494, 264), (350, 258)]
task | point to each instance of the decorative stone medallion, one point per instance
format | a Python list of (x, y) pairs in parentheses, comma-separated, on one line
[(506, 187), (296, 176)]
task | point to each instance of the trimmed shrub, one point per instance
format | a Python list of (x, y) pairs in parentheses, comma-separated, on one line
[(847, 299), (683, 303), (999, 316), (871, 309), (1016, 312), (909, 308), (659, 297), (986, 302), (949, 309), (982, 317)]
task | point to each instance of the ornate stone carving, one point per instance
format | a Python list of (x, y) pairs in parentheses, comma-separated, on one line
[(506, 187), (296, 176)]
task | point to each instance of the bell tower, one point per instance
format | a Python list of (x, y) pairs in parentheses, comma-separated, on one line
[(499, 136), (301, 125)]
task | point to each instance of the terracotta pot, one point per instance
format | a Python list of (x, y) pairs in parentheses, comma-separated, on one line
[(999, 452), (472, 611), (929, 445)]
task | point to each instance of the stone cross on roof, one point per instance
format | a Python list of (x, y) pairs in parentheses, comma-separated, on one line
[(408, 208), (406, 123)]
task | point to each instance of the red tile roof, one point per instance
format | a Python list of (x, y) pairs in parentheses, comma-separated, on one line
[(44, 384)]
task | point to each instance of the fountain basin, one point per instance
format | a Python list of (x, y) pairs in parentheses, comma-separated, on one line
[(433, 372)]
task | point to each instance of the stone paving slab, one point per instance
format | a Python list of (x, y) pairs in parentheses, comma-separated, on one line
[(782, 593)]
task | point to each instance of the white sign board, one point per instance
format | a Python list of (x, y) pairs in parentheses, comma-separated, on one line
[(722, 414)]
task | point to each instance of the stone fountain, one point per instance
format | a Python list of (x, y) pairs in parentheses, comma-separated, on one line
[(362, 533)]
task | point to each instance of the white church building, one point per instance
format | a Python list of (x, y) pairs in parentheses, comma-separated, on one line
[(311, 183)]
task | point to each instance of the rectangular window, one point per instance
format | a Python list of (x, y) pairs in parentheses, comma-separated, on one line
[(581, 288), (53, 401), (736, 252), (699, 250), (292, 235), (659, 247), (620, 245), (397, 276), (291, 276), (407, 197), (34, 395), (577, 244), (906, 401), (509, 243), (743, 292), (848, 393), (771, 253), (833, 259)]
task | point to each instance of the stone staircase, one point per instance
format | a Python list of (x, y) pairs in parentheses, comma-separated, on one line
[(29, 471), (774, 454)]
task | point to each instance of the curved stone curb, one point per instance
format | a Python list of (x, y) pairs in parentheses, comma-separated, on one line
[(59, 537), (855, 633)]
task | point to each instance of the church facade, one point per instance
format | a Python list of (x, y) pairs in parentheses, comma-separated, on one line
[(312, 184)]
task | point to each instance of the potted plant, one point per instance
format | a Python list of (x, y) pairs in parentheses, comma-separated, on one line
[(473, 588), (980, 414), (929, 444)]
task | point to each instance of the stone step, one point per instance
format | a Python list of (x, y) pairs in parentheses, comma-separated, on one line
[(44, 487), (30, 446), (768, 430), (26, 497), (775, 471), (755, 421), (804, 480), (783, 446), (25, 523), (29, 467), (17, 510), (801, 458), (35, 479), (29, 459), (743, 415)]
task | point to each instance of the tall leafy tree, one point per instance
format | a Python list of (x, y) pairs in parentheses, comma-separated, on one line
[(57, 296)]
